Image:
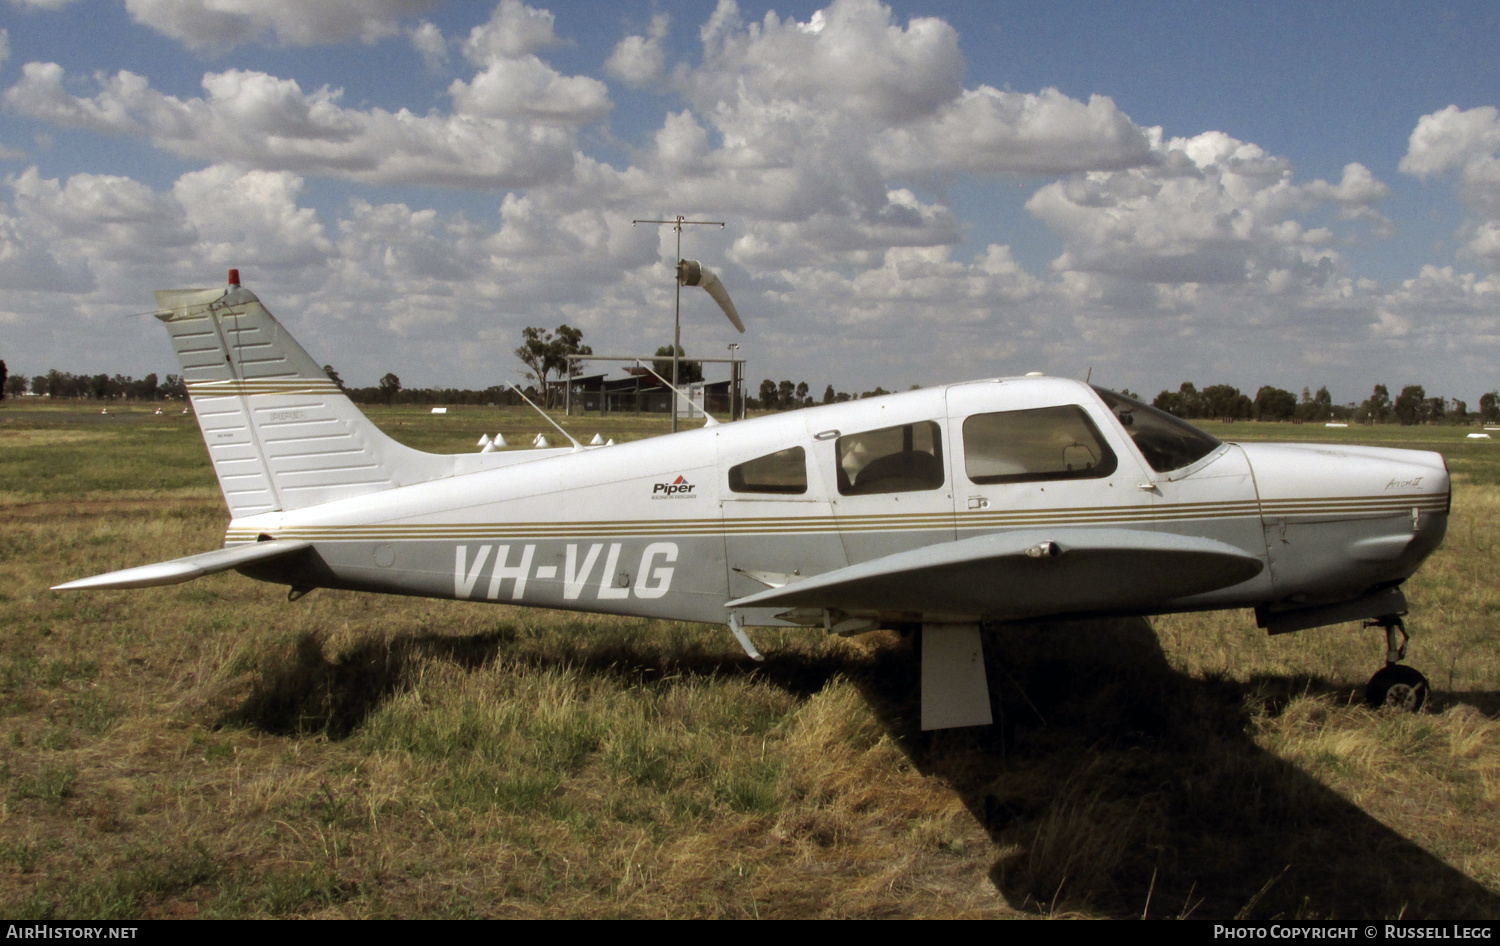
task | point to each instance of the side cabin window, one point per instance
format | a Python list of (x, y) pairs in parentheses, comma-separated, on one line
[(783, 472), (1166, 442), (1048, 443), (899, 459)]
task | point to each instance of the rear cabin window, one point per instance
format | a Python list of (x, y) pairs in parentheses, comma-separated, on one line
[(1166, 442), (1049, 443), (900, 459), (783, 472)]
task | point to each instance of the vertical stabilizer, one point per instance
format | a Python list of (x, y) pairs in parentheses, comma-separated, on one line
[(279, 431)]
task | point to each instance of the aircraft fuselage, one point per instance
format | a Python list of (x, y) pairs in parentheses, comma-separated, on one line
[(661, 528)]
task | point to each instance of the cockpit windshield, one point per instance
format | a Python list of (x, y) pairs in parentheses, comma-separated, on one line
[(1166, 442)]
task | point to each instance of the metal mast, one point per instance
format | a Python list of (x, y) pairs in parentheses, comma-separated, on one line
[(678, 222)]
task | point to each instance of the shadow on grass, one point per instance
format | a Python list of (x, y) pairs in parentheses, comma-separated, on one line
[(1486, 702), (306, 693), (1124, 787), (1116, 784)]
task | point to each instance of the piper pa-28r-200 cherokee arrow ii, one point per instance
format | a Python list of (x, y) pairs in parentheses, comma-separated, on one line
[(948, 509)]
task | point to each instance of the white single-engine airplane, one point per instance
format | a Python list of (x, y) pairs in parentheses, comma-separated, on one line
[(946, 509)]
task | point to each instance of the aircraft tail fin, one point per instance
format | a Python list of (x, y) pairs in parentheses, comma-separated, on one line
[(280, 432)]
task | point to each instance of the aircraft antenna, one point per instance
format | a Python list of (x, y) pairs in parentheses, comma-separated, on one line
[(576, 444), (678, 222)]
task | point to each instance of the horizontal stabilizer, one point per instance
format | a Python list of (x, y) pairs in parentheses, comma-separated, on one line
[(1028, 573), (186, 569)]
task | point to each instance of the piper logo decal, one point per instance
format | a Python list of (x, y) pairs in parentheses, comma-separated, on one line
[(679, 488), (653, 571)]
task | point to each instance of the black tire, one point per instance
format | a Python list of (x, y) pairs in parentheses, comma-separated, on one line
[(1399, 687)]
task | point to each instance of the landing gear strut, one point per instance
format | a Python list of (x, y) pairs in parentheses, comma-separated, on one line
[(1395, 684)]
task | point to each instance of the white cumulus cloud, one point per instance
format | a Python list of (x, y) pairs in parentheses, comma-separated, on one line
[(430, 43), (220, 25), (1045, 133), (528, 89), (514, 83), (246, 218), (267, 122), (1206, 209), (639, 61), (513, 30), (850, 58), (102, 217), (1464, 145)]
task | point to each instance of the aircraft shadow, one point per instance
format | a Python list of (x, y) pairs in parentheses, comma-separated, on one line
[(1117, 785), (1112, 783), (304, 692)]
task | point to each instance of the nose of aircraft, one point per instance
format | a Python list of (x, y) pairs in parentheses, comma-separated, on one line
[(1340, 516), (1326, 475)]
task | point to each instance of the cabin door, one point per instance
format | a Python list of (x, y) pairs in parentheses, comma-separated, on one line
[(778, 526), (1022, 460), (887, 474)]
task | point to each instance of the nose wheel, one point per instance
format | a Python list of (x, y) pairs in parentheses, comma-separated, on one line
[(1396, 685)]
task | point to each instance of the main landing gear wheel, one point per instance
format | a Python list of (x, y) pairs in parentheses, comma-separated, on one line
[(1399, 687)]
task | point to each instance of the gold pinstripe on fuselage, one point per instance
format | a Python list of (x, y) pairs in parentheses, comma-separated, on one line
[(1352, 507)]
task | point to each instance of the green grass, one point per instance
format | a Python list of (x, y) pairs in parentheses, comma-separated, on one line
[(1477, 461), (69, 451), (210, 750)]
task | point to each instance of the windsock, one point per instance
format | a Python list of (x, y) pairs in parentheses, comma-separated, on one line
[(690, 272)]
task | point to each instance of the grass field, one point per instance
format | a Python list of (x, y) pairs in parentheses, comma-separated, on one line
[(211, 750)]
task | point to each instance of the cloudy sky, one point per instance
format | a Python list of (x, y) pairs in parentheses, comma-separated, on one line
[(914, 192)]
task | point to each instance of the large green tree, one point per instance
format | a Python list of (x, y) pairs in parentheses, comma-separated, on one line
[(545, 353), (767, 399), (1184, 402), (390, 386), (1411, 405), (1489, 407), (1272, 403), (1225, 402), (688, 372), (1377, 407)]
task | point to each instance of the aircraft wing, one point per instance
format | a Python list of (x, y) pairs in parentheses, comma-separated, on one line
[(193, 566), (1027, 573)]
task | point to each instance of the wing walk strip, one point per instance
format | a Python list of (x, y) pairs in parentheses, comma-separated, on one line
[(790, 525)]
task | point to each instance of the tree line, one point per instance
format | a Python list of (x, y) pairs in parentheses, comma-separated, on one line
[(1409, 408), (109, 388), (95, 387), (389, 390), (544, 354), (786, 396)]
